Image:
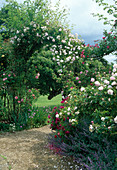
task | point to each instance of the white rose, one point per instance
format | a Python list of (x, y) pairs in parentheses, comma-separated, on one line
[(97, 83), (68, 113), (68, 109), (109, 86), (115, 119), (115, 66), (102, 118), (75, 108), (57, 115), (82, 89), (100, 88), (77, 112), (92, 79), (91, 129), (106, 81), (113, 83), (110, 92)]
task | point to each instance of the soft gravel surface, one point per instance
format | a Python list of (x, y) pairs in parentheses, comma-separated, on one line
[(27, 150)]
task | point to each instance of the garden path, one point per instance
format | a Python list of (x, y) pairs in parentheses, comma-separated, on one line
[(26, 150)]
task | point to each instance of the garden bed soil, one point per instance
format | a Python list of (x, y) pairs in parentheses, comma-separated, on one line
[(27, 150)]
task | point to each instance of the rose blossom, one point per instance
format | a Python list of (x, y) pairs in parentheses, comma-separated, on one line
[(82, 89), (92, 79), (113, 83), (77, 78), (115, 65), (102, 118), (100, 88), (97, 83), (112, 78), (106, 81), (57, 115), (16, 97), (110, 92), (115, 119)]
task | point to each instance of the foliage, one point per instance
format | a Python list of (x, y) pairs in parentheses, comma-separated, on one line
[(111, 9), (90, 150)]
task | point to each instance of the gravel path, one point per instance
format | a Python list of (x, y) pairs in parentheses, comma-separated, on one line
[(26, 150)]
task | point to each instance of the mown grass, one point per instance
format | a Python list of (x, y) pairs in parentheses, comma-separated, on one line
[(43, 101)]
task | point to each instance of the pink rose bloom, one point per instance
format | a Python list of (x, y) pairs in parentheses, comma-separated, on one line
[(79, 82), (77, 78), (33, 95), (92, 79), (22, 100), (29, 90), (81, 72), (19, 101), (112, 78), (36, 77), (16, 97), (49, 116), (9, 75), (108, 47)]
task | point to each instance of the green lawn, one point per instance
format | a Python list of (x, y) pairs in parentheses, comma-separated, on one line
[(43, 101)]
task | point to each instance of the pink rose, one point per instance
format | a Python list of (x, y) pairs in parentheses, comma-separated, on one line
[(22, 100), (36, 77), (16, 97), (77, 78), (29, 90), (19, 101), (112, 78)]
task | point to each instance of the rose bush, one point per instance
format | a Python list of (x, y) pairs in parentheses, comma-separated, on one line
[(97, 101)]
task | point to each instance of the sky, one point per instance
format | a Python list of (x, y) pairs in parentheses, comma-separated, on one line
[(85, 25)]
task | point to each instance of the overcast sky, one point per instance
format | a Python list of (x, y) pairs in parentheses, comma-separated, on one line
[(85, 25)]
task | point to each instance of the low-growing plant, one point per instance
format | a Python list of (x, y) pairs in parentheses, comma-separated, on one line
[(90, 150)]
